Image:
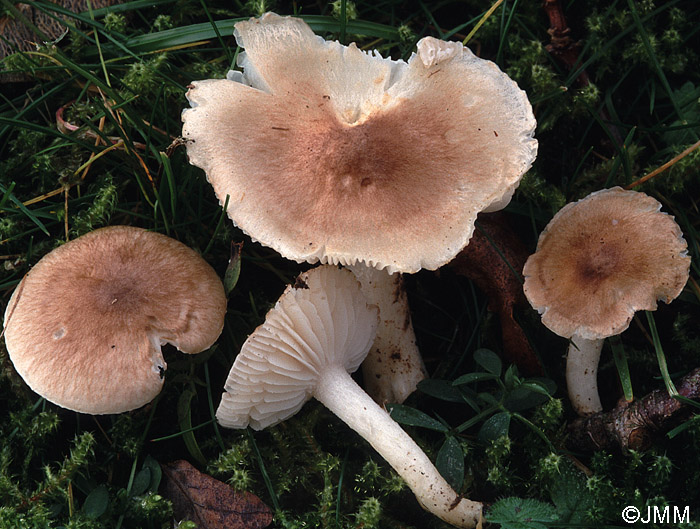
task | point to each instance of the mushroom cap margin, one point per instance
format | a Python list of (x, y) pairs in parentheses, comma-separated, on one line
[(84, 328), (601, 259), (346, 145)]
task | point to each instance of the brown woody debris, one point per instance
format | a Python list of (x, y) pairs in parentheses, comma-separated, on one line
[(566, 50), (634, 425), (562, 46), (493, 259)]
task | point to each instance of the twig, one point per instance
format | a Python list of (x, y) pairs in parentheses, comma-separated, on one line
[(634, 425), (665, 166), (562, 46), (566, 50)]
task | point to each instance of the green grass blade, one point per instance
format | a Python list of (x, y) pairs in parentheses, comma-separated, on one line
[(226, 49), (7, 193), (623, 370), (197, 33), (340, 487), (654, 60), (660, 356), (23, 209), (172, 189), (184, 415), (212, 412), (180, 433), (263, 471), (130, 6), (682, 427), (343, 21), (222, 216), (689, 402)]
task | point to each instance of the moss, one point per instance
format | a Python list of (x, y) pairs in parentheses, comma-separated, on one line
[(320, 474), (144, 78), (350, 9), (99, 212), (369, 513), (115, 22), (235, 465), (497, 456), (163, 22)]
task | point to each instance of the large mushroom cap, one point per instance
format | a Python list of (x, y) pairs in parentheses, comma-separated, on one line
[(322, 320), (601, 259), (84, 328), (331, 154)]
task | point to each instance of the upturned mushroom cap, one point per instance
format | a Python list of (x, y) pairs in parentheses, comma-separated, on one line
[(325, 150), (319, 331), (322, 320), (603, 258), (84, 328)]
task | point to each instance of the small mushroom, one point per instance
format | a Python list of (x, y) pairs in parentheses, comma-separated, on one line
[(318, 332), (598, 261), (85, 326), (329, 153)]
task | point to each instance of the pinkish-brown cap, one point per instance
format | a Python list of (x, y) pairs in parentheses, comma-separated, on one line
[(603, 258), (328, 153), (84, 328)]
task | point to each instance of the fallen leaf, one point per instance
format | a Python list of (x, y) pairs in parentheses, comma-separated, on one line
[(494, 260), (210, 503)]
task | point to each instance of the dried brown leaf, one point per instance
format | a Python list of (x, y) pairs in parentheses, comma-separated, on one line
[(210, 503), (493, 260)]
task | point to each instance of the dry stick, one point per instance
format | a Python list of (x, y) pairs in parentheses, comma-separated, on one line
[(665, 166), (481, 21), (65, 208), (43, 197), (633, 426)]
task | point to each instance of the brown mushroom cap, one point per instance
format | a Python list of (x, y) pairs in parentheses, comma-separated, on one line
[(84, 328), (331, 154), (601, 259)]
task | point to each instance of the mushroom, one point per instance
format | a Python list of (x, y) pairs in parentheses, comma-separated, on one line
[(598, 261), (84, 327), (394, 367), (330, 154), (318, 332)]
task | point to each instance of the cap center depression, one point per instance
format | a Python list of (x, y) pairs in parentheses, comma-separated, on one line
[(379, 150)]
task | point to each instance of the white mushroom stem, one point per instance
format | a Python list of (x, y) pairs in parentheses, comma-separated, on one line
[(339, 393), (582, 375), (394, 367)]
